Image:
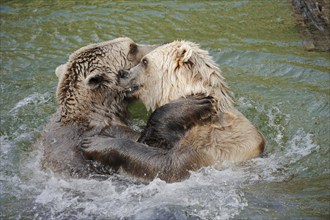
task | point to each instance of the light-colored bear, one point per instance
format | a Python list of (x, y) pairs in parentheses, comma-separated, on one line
[(170, 72)]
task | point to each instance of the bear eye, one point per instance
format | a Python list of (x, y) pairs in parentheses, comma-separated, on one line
[(145, 62)]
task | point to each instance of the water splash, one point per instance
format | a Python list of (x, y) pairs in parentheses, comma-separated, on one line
[(208, 194), (35, 98)]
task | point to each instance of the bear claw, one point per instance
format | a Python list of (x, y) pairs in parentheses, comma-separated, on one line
[(84, 144)]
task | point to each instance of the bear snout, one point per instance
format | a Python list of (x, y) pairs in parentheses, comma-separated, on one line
[(126, 81), (123, 74)]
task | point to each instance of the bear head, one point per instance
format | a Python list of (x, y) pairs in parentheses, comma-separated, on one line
[(175, 70), (88, 93)]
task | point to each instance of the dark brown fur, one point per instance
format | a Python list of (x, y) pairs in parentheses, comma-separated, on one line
[(168, 124)]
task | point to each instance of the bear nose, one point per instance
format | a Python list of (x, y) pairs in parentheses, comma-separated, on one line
[(123, 73)]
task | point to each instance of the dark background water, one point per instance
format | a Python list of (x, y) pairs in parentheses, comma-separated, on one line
[(281, 88)]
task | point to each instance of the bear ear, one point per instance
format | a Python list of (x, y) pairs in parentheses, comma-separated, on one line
[(60, 70), (94, 81), (184, 53), (227, 119)]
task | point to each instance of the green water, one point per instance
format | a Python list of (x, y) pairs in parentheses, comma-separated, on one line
[(282, 89)]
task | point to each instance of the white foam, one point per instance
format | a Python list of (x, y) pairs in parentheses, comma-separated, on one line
[(301, 145), (209, 194), (5, 146)]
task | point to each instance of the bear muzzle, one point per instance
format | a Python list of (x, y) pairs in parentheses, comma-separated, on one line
[(127, 82), (123, 74)]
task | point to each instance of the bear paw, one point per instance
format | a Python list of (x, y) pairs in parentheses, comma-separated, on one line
[(96, 148)]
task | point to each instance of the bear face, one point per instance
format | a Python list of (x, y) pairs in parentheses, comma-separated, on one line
[(175, 70), (88, 93)]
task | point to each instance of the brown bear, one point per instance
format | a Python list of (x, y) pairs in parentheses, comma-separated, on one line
[(170, 72), (91, 102)]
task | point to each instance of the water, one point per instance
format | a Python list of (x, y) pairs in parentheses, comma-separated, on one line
[(281, 88)]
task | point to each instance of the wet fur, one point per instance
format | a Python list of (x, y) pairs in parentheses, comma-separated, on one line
[(165, 129), (89, 102), (172, 71)]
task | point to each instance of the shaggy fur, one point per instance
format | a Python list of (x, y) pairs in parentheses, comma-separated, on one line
[(89, 102), (172, 71)]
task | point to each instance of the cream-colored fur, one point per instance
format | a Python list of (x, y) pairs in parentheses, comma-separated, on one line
[(181, 68)]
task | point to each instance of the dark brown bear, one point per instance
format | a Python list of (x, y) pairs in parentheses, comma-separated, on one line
[(89, 102)]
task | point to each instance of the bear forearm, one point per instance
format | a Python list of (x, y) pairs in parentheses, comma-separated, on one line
[(141, 160), (120, 131), (148, 162)]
